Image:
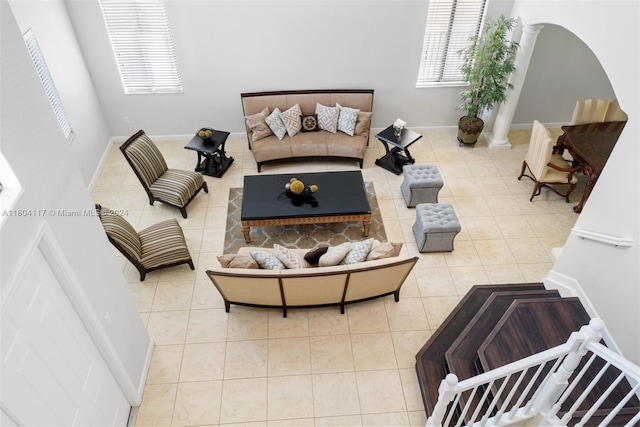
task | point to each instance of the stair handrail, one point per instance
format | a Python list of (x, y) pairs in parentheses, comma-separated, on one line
[(546, 399)]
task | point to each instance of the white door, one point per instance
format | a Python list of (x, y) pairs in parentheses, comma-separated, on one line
[(52, 372)]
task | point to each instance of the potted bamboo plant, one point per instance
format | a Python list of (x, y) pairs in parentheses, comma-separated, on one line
[(488, 62)]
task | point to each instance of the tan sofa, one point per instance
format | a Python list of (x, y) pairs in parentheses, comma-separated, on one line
[(310, 287), (318, 144)]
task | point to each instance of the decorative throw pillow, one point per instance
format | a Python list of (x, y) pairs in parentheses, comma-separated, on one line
[(288, 258), (309, 123), (237, 261), (257, 125), (267, 261), (334, 255), (275, 123), (327, 118), (291, 119), (358, 252), (347, 118), (313, 256), (363, 122), (384, 250)]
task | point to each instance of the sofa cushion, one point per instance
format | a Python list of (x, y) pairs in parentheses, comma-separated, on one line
[(289, 258), (257, 125), (291, 119), (347, 118), (334, 255), (358, 252), (267, 261), (237, 261), (313, 256), (384, 250), (309, 123), (363, 123), (274, 120), (327, 118)]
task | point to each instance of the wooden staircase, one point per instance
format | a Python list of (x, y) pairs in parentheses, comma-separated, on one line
[(494, 325)]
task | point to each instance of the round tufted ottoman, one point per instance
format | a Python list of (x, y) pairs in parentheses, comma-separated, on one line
[(436, 226), (421, 184)]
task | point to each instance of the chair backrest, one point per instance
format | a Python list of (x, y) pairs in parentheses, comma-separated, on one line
[(144, 157), (592, 110), (540, 149), (615, 113), (120, 233)]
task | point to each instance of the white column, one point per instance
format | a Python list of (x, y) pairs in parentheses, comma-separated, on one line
[(498, 138)]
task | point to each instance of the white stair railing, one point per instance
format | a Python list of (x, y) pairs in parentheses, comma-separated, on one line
[(553, 384)]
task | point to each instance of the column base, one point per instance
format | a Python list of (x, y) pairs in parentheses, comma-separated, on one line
[(497, 143)]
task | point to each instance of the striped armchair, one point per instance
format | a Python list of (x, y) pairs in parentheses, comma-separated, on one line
[(172, 186), (158, 246)]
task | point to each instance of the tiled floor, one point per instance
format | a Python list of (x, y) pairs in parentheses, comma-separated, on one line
[(317, 367)]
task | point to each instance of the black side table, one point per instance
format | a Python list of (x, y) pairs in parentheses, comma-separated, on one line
[(399, 155), (215, 162)]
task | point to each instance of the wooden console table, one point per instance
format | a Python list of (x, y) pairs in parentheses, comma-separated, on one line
[(590, 145)]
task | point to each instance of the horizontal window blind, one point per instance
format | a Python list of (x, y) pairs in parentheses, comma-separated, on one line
[(143, 46), (47, 82), (450, 23)]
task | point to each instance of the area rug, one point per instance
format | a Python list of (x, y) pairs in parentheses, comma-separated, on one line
[(304, 236)]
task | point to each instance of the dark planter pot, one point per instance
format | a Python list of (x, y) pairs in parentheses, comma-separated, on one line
[(468, 132)]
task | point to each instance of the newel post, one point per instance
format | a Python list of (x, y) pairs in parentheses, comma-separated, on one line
[(556, 384), (446, 393)]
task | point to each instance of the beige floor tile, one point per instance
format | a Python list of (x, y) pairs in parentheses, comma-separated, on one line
[(417, 418), (168, 327), (247, 323), (411, 388), (203, 362), (205, 295), (528, 250), (207, 326), (296, 324), (369, 316), (327, 321), (344, 421), (504, 274), (246, 359), (172, 296), (289, 356), (244, 400), (438, 308), (295, 422), (373, 351), (494, 252), (465, 277), (396, 419), (380, 392), (165, 364), (290, 397), (464, 254), (406, 345), (482, 228), (143, 294), (156, 409), (331, 354), (198, 403), (335, 394), (406, 315)]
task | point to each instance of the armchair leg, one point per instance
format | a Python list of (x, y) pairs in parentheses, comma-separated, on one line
[(524, 166), (190, 263), (205, 187), (183, 211)]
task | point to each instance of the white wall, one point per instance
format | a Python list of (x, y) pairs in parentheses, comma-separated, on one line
[(562, 70), (608, 276), (43, 163), (52, 27), (225, 48)]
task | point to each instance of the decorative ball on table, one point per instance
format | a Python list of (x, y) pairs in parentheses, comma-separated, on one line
[(299, 193), (205, 133)]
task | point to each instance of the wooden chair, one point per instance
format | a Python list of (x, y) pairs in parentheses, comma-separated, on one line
[(158, 246), (175, 187), (546, 168)]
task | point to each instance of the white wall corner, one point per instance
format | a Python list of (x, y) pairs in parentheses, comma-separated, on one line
[(570, 287)]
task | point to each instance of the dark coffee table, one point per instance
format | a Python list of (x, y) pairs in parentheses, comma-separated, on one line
[(341, 197)]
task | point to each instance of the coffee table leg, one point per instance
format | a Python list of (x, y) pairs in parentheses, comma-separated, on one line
[(246, 230), (366, 225)]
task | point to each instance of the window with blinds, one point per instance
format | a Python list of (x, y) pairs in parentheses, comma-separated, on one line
[(450, 23), (143, 46), (47, 83)]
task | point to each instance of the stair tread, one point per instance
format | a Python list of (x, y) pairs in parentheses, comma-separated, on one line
[(463, 352), (431, 357)]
